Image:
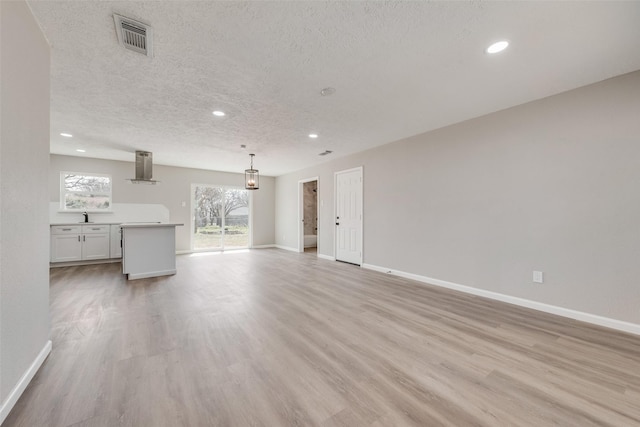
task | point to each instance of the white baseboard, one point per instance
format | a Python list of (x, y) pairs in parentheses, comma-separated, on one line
[(189, 252), (135, 276), (287, 248), (22, 384), (88, 262), (330, 258), (607, 322)]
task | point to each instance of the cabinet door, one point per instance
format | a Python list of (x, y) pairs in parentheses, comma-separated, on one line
[(66, 247), (116, 243), (95, 246)]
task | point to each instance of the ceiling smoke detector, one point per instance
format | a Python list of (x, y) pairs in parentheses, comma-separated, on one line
[(327, 91), (134, 35)]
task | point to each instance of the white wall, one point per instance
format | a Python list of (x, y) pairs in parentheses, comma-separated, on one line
[(24, 162), (551, 185), (174, 188)]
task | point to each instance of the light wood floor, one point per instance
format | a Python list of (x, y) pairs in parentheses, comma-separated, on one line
[(276, 338)]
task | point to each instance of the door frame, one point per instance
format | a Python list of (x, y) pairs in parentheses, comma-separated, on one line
[(335, 211), (301, 211)]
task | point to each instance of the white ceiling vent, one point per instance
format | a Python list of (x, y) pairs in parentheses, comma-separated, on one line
[(134, 35)]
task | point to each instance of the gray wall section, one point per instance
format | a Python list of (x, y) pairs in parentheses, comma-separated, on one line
[(551, 185), (174, 188), (24, 162)]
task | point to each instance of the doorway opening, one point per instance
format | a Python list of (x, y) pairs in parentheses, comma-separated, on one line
[(220, 218), (309, 213)]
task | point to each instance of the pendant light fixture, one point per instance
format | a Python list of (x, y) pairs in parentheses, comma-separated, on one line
[(251, 177)]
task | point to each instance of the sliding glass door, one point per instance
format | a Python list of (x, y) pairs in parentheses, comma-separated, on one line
[(221, 218)]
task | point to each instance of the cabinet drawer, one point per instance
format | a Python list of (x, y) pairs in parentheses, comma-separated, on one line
[(65, 229), (95, 229)]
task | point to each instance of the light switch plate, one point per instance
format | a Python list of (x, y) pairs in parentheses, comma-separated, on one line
[(538, 277)]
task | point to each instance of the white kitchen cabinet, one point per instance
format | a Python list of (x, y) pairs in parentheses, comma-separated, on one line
[(148, 249), (80, 242), (95, 241), (116, 241), (66, 243)]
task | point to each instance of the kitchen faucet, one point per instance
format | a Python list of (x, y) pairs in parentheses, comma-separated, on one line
[(86, 216)]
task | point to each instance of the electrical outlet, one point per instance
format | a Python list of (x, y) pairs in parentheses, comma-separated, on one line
[(538, 277)]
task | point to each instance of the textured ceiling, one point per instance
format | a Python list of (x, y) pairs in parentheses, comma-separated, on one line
[(399, 69)]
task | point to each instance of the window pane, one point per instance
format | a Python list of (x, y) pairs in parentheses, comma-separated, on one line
[(86, 201), (87, 183), (221, 218), (85, 191), (208, 218), (236, 219)]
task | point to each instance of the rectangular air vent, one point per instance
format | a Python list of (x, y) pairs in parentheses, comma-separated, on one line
[(134, 35)]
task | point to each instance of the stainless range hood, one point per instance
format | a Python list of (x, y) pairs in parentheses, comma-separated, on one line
[(144, 168)]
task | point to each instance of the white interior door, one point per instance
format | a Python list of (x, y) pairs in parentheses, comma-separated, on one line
[(349, 216)]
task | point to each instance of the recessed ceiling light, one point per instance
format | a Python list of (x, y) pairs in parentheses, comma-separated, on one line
[(80, 150), (67, 135), (498, 46), (313, 135), (218, 113)]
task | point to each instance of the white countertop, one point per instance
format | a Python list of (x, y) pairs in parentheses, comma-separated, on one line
[(84, 223), (121, 224), (149, 224)]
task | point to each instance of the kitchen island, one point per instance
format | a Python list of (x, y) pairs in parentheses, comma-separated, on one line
[(148, 249)]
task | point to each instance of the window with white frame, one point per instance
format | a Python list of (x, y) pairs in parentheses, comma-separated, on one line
[(85, 191)]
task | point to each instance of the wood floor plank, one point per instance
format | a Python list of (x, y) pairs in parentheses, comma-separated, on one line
[(275, 338)]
